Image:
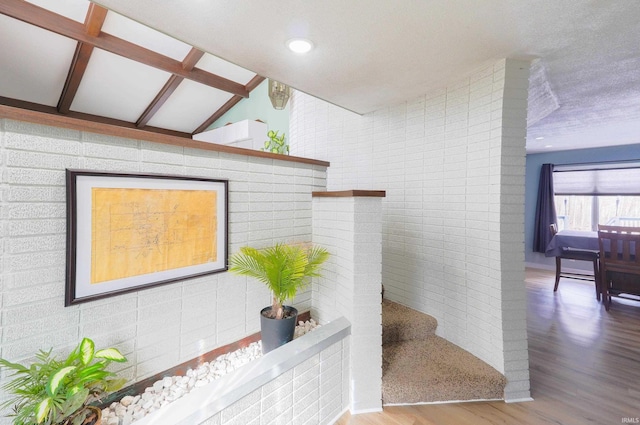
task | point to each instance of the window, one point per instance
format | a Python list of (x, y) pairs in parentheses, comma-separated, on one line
[(586, 212), (590, 194)]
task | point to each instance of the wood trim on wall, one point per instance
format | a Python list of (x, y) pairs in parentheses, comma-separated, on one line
[(350, 194), (44, 118)]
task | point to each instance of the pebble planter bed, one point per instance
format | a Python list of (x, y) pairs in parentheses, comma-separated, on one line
[(165, 391)]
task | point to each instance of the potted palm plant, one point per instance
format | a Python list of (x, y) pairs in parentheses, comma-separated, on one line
[(58, 392), (285, 269)]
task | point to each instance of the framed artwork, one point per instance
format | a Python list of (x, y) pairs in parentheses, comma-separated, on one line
[(127, 232)]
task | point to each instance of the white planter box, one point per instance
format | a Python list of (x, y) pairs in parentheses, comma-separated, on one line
[(247, 134)]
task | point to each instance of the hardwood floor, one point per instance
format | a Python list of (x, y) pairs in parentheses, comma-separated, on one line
[(584, 366)]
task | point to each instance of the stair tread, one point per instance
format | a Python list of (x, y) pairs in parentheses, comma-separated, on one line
[(400, 323), (420, 367), (433, 370)]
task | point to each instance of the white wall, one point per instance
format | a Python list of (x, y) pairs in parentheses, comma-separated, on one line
[(453, 164), (155, 328), (350, 227), (311, 393), (258, 107)]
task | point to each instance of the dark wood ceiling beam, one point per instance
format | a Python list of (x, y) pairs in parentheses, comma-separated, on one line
[(95, 19), (50, 110), (255, 82), (93, 25), (155, 105), (191, 60), (34, 15), (170, 86)]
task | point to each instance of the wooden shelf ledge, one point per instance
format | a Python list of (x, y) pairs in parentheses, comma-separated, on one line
[(350, 194), (56, 120)]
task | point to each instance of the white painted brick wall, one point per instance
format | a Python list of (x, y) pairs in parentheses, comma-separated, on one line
[(351, 229), (157, 328), (513, 302), (452, 163), (311, 393)]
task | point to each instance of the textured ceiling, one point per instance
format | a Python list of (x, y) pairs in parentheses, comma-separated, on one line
[(585, 84), (371, 54)]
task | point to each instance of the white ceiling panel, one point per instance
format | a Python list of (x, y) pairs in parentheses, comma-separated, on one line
[(116, 87), (126, 29), (73, 9), (225, 69), (26, 52), (189, 106)]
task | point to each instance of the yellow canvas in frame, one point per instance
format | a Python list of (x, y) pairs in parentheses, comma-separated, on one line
[(141, 231), (127, 232)]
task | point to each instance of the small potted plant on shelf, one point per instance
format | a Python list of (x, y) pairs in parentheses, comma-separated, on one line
[(275, 144), (285, 269), (58, 392)]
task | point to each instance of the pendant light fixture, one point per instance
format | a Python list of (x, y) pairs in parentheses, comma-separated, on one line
[(279, 94)]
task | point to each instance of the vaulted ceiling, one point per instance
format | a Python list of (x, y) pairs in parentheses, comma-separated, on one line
[(78, 59), (157, 64)]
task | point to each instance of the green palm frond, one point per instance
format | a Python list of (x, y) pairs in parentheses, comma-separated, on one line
[(316, 257), (283, 268)]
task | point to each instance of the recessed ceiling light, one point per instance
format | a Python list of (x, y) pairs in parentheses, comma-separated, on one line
[(299, 45), (548, 146), (540, 138)]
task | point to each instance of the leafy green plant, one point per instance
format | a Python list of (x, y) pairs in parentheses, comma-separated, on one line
[(50, 391), (275, 144), (284, 268)]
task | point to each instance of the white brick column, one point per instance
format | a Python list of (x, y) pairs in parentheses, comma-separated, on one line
[(510, 222), (349, 225)]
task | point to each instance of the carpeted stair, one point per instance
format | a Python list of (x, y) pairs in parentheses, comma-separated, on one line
[(420, 367)]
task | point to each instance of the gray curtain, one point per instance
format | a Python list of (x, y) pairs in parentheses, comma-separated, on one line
[(545, 210)]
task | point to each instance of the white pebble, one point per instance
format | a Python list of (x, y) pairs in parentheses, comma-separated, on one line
[(126, 400), (139, 414), (169, 389), (120, 409), (157, 386)]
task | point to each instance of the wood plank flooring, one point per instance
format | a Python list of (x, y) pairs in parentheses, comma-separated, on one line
[(584, 366)]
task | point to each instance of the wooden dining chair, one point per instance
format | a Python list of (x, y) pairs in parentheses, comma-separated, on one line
[(581, 255), (619, 262)]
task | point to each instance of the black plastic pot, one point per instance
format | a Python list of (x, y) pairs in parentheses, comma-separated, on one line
[(277, 332)]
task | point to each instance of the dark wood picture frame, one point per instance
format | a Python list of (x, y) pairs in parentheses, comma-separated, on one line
[(127, 232)]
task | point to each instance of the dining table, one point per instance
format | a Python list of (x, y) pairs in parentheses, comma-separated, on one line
[(572, 239)]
